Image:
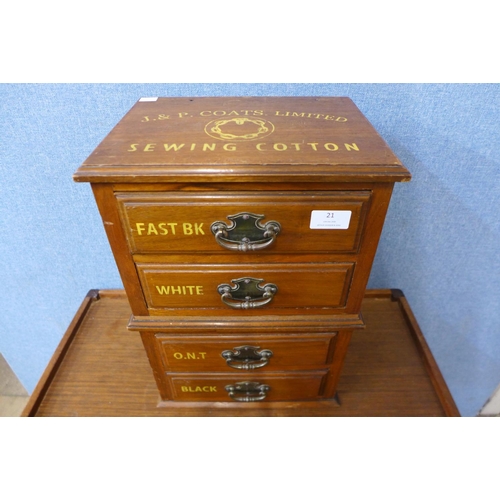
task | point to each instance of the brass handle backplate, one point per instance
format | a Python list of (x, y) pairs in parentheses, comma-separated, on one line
[(246, 233), (247, 293), (247, 392), (247, 357)]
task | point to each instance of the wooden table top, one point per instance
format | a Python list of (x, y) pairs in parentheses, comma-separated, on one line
[(101, 369)]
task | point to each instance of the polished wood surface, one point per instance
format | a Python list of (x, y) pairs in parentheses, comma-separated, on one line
[(101, 369), (173, 176), (306, 351), (181, 222), (200, 139), (370, 218), (321, 288), (282, 387)]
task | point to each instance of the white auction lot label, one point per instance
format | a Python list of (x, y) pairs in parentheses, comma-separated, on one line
[(326, 219)]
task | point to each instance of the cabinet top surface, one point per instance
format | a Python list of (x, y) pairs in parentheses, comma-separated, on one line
[(243, 139)]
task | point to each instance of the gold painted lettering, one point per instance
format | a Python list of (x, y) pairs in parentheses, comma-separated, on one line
[(219, 113), (210, 147), (133, 147), (190, 355), (152, 229), (331, 147), (205, 113), (233, 113), (182, 114), (175, 147), (349, 147), (259, 146), (150, 147), (192, 146), (181, 289), (229, 147), (205, 388), (161, 228), (256, 112), (296, 114), (297, 146), (187, 228), (279, 146), (313, 145)]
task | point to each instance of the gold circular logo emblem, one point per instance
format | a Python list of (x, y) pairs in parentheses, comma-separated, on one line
[(239, 129)]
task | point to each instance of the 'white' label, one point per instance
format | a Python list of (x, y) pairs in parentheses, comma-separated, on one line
[(148, 99), (325, 219)]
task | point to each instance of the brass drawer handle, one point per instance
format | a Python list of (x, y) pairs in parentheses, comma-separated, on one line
[(247, 293), (246, 232), (246, 357), (247, 392)]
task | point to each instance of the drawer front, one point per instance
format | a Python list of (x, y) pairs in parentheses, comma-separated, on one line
[(247, 389), (237, 288), (238, 354), (242, 222)]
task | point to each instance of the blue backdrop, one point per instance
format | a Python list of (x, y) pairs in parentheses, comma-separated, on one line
[(440, 244)]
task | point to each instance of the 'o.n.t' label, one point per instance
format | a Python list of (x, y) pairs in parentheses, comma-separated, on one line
[(326, 219)]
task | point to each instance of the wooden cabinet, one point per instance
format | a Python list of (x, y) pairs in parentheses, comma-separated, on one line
[(227, 289), (246, 353), (189, 223), (244, 230)]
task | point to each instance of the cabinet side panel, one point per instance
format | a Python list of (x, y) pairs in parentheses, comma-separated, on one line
[(108, 209), (379, 205)]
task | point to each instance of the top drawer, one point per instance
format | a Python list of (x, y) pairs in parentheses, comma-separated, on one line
[(274, 222)]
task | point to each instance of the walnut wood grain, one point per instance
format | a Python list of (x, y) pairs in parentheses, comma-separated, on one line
[(171, 222), (177, 289), (326, 139), (101, 369), (198, 353), (172, 174)]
